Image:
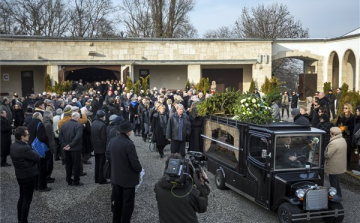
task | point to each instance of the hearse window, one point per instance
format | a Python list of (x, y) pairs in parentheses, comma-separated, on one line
[(221, 141), (297, 151), (256, 147)]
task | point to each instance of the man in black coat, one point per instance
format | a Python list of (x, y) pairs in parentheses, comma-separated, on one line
[(189, 201), (178, 128), (331, 100), (298, 118), (125, 170), (25, 161), (95, 105), (70, 138), (37, 129), (6, 131), (294, 100), (99, 139)]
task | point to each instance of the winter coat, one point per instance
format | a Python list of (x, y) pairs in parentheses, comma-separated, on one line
[(285, 100), (183, 209), (8, 112), (172, 130), (349, 123), (56, 120), (326, 126), (27, 119), (195, 139), (98, 136), (18, 115), (294, 101), (95, 106), (356, 137), (71, 134), (62, 121), (124, 161), (87, 144), (335, 155), (6, 131), (24, 159), (48, 123), (159, 128), (275, 111), (40, 132)]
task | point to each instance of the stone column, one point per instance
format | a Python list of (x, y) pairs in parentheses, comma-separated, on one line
[(53, 71), (194, 73)]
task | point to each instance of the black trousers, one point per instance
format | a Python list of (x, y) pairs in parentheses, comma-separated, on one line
[(59, 151), (348, 152), (99, 168), (178, 147), (124, 203), (49, 163), (73, 162), (43, 171), (334, 182), (3, 160), (160, 149), (287, 110), (27, 187)]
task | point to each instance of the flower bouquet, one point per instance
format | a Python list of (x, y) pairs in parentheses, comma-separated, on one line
[(252, 110)]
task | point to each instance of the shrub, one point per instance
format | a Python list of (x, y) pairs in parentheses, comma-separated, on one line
[(327, 87), (144, 83), (187, 86), (129, 84), (252, 86), (47, 83)]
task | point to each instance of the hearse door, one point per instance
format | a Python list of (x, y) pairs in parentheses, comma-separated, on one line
[(259, 164)]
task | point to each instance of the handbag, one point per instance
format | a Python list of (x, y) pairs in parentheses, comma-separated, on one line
[(107, 169), (39, 147)]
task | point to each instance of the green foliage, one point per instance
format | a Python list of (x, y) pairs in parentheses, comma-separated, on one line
[(64, 86), (327, 87), (47, 83), (144, 83), (252, 86), (187, 86), (265, 88), (253, 110), (219, 103), (129, 84), (273, 95), (137, 87), (206, 85)]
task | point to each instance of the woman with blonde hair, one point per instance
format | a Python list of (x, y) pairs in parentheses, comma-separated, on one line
[(345, 122), (158, 125)]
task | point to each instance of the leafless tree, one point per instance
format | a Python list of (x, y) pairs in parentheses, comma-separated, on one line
[(222, 32), (88, 17), (158, 18), (41, 17), (273, 21)]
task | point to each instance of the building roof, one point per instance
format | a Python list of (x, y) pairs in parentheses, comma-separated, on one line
[(354, 32)]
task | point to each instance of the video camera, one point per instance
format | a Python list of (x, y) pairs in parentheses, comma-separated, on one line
[(179, 169)]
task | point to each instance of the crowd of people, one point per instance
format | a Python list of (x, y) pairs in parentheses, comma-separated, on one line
[(96, 120)]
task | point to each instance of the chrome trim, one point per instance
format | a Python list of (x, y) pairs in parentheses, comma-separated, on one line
[(228, 145)]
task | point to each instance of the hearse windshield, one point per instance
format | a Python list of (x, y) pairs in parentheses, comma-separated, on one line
[(297, 151)]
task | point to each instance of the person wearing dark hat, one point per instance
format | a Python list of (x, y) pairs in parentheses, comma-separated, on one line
[(28, 116), (115, 125), (95, 105), (331, 103), (99, 139), (125, 172), (298, 118)]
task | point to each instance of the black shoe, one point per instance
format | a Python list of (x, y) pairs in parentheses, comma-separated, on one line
[(45, 190), (161, 155), (6, 164), (87, 162), (106, 182), (77, 184), (83, 174), (57, 159)]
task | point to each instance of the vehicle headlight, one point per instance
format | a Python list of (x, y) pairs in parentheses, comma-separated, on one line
[(332, 191), (300, 193)]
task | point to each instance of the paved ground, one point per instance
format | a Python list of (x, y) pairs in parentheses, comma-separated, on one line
[(90, 203)]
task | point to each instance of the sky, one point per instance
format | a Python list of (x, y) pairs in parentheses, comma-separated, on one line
[(323, 18)]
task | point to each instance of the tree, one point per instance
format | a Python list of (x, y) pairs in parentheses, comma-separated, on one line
[(41, 17), (158, 18), (222, 32)]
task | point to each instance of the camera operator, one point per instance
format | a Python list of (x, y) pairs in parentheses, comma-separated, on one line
[(179, 202)]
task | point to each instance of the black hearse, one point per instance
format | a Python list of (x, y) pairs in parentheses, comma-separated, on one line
[(278, 166)]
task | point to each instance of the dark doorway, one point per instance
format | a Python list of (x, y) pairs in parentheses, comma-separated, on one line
[(307, 85), (27, 83), (225, 78), (91, 74)]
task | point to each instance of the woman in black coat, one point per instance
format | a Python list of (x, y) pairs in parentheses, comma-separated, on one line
[(6, 131), (18, 115), (134, 115), (159, 123), (347, 120), (195, 140)]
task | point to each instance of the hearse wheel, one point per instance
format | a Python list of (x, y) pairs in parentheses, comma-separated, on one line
[(285, 211), (333, 206), (220, 180)]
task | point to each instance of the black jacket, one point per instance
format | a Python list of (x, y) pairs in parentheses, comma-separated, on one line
[(6, 131), (159, 128), (173, 209), (294, 101), (124, 161), (172, 130), (95, 106), (24, 159), (302, 120), (40, 133), (326, 126), (71, 134), (98, 136)]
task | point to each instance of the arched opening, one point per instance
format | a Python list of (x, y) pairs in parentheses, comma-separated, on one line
[(349, 69), (333, 70), (90, 73)]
